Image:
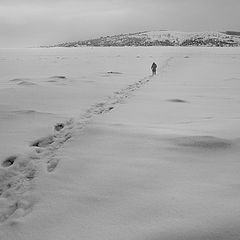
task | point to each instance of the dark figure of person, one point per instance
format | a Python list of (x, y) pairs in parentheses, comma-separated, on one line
[(154, 68)]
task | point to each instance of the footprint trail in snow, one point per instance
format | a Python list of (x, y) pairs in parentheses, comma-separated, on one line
[(17, 172)]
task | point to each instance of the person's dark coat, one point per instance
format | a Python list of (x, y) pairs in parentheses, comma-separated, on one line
[(154, 68)]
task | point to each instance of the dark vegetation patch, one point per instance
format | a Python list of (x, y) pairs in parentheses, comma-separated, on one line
[(233, 33)]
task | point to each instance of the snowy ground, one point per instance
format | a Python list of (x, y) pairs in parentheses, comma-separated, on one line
[(138, 157)]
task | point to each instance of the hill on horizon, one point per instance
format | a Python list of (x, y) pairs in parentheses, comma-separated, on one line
[(162, 38)]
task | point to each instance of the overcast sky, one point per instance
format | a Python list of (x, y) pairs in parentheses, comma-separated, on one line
[(40, 22)]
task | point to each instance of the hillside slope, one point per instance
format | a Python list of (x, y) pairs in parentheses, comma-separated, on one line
[(161, 38)]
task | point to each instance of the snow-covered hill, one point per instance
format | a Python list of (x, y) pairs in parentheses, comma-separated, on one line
[(161, 38)]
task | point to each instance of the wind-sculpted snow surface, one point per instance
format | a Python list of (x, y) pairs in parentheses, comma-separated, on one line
[(94, 150), (19, 172)]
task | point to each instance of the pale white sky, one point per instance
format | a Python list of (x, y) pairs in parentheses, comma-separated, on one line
[(42, 22)]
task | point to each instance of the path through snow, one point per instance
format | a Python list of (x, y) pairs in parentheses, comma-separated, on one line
[(19, 171)]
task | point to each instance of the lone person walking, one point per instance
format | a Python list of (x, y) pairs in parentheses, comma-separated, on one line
[(154, 68)]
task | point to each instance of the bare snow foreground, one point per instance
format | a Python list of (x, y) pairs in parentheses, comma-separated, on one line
[(93, 147)]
